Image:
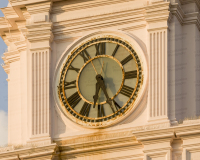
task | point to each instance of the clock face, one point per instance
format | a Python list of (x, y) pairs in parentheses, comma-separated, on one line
[(100, 81)]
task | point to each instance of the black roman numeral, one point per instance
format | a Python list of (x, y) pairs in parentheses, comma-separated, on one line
[(117, 106), (85, 55), (127, 91), (73, 68), (100, 48), (127, 59), (115, 51), (85, 110), (101, 112), (74, 99), (131, 74), (72, 84)]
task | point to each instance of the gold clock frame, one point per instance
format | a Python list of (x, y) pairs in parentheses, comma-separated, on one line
[(100, 121)]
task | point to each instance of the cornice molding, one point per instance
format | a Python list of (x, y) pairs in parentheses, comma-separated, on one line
[(136, 27), (9, 12), (90, 138), (67, 6), (39, 32), (10, 34), (157, 29), (39, 7), (21, 45), (40, 152), (157, 11), (25, 13), (97, 143), (176, 10), (98, 146), (25, 2), (145, 132), (11, 15), (41, 49), (80, 20), (185, 18), (79, 25), (157, 15), (4, 24), (190, 1), (13, 36), (11, 56), (6, 67)]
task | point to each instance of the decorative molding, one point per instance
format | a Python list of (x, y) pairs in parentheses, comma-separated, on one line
[(37, 8), (9, 12), (157, 12), (151, 127), (81, 24), (71, 6), (185, 18), (157, 29), (195, 121), (6, 67), (134, 27), (140, 133), (97, 137), (98, 143), (25, 13), (159, 154), (4, 24), (28, 152), (11, 16), (183, 2), (26, 2), (39, 32), (135, 156), (11, 56)]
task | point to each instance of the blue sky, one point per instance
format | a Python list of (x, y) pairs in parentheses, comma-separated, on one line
[(3, 90), (3, 75)]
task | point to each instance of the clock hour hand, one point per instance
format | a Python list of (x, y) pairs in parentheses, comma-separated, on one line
[(100, 81)]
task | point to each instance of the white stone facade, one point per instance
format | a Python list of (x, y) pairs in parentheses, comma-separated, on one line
[(166, 122)]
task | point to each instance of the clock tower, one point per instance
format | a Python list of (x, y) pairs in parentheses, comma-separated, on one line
[(102, 79)]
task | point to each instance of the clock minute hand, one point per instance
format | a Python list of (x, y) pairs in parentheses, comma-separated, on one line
[(95, 97), (102, 68)]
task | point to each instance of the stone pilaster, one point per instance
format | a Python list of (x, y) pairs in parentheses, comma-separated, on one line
[(40, 37), (157, 15)]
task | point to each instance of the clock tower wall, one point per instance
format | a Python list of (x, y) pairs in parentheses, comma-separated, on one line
[(164, 40), (183, 66), (191, 71), (163, 34)]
